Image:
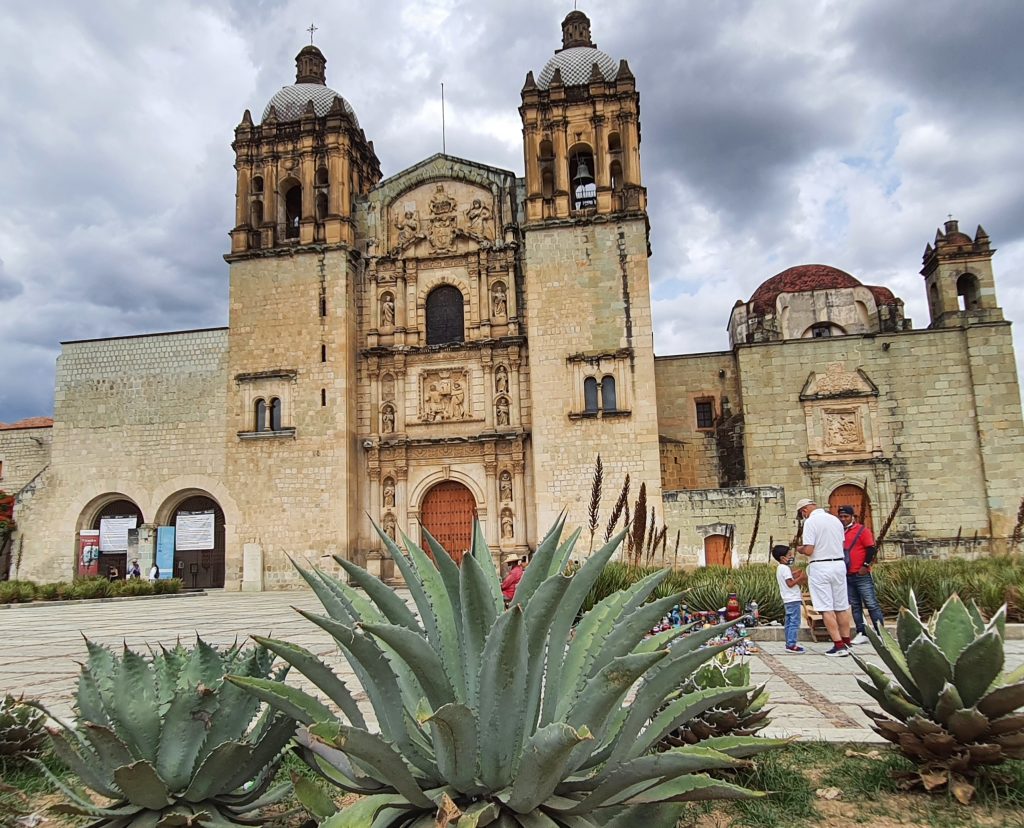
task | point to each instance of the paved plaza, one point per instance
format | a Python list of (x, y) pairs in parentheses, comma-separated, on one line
[(814, 697)]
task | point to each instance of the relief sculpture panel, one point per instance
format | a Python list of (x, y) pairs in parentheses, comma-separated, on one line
[(843, 429), (442, 219), (444, 396)]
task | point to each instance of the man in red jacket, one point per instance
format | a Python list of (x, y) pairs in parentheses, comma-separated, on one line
[(859, 550), (512, 579)]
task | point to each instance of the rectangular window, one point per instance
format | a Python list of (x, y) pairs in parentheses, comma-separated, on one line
[(705, 413)]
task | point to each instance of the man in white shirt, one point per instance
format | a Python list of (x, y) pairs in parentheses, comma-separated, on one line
[(823, 537)]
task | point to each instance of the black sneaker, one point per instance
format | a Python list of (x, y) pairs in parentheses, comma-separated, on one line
[(838, 652)]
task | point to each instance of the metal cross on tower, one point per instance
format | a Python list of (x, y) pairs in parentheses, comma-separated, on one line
[(312, 28)]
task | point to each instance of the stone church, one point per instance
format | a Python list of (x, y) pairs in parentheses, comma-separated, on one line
[(455, 341)]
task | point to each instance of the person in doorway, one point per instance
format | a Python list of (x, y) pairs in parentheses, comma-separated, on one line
[(134, 572), (823, 541), (859, 549), (154, 572), (113, 573), (512, 579), (791, 594)]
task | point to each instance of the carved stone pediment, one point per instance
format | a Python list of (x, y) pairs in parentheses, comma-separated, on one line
[(837, 381), (441, 219)]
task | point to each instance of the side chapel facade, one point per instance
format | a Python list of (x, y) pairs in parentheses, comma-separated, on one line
[(455, 342)]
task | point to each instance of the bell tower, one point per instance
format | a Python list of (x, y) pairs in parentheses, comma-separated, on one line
[(958, 278), (588, 305), (302, 173)]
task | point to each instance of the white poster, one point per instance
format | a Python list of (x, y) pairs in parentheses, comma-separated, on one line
[(114, 532), (193, 530)]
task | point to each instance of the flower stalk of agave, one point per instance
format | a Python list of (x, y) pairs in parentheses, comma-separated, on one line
[(169, 742), (952, 710), (495, 716)]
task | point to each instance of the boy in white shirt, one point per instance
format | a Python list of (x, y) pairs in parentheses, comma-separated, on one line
[(792, 597)]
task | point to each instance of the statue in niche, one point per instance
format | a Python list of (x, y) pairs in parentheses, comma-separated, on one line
[(501, 380), (502, 411), (408, 227), (387, 387), (389, 492), (499, 301), (506, 524), (390, 526), (387, 419), (479, 216), (505, 486), (387, 311)]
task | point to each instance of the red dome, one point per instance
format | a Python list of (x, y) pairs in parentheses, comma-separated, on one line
[(798, 280)]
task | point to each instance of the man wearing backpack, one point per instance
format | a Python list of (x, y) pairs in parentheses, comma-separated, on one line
[(859, 551)]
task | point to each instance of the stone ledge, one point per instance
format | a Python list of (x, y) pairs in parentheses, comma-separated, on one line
[(1014, 632), (110, 600)]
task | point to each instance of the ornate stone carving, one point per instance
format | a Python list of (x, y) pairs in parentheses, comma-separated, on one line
[(836, 381), (387, 310), (843, 429), (389, 492), (499, 301), (479, 218), (387, 419), (390, 526), (505, 486), (507, 524), (408, 227), (443, 395), (443, 222), (501, 380), (501, 411)]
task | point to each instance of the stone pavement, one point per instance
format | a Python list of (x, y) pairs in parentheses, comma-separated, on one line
[(814, 697)]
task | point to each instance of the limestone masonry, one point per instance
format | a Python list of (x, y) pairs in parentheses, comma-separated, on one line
[(456, 342)]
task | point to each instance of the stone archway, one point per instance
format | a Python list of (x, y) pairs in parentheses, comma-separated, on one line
[(198, 548), (850, 494), (112, 523), (447, 512)]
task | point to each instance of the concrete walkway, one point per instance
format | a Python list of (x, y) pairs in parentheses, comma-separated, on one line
[(814, 697)]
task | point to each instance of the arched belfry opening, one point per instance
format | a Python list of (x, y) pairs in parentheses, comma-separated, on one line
[(581, 177)]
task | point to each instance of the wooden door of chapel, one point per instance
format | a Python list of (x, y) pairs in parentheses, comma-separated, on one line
[(447, 513)]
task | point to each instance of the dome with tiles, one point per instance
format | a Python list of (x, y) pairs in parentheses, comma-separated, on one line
[(576, 59), (310, 86)]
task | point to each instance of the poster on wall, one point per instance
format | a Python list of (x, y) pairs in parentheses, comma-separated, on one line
[(165, 551), (114, 532), (88, 553), (194, 530)]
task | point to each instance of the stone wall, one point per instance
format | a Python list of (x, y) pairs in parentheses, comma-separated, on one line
[(24, 452), (733, 512), (588, 315), (137, 417)]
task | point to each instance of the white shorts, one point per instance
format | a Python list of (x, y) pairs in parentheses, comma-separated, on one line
[(826, 581)]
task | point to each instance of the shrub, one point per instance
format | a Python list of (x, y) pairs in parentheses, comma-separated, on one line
[(136, 586), (170, 586), (95, 587), (485, 714), (169, 742), (16, 592), (951, 708)]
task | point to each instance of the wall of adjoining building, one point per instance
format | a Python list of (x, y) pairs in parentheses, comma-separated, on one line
[(24, 452)]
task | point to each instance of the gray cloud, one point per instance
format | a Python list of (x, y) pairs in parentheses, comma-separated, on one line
[(773, 134)]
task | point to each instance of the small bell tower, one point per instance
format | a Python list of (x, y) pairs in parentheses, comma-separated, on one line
[(958, 278)]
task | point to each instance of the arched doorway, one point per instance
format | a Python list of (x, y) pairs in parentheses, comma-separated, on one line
[(851, 495), (198, 523), (447, 512), (113, 522), (717, 551)]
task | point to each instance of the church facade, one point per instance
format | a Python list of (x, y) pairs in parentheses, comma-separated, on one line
[(456, 342)]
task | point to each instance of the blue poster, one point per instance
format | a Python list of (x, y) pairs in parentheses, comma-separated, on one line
[(165, 551)]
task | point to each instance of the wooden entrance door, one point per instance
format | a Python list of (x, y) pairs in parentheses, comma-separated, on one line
[(201, 568), (447, 513), (855, 496), (717, 551)]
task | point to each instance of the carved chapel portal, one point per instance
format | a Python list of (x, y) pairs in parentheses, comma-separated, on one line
[(447, 512)]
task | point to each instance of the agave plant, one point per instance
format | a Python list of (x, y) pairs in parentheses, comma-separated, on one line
[(169, 742), (494, 716), (22, 734), (952, 710), (742, 715)]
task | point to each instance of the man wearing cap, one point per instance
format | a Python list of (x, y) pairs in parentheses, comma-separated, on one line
[(859, 548), (512, 579), (823, 538)]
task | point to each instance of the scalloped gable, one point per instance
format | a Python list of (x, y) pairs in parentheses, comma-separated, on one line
[(440, 167), (837, 381)]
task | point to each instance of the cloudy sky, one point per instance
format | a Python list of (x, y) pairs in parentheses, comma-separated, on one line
[(774, 134)]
